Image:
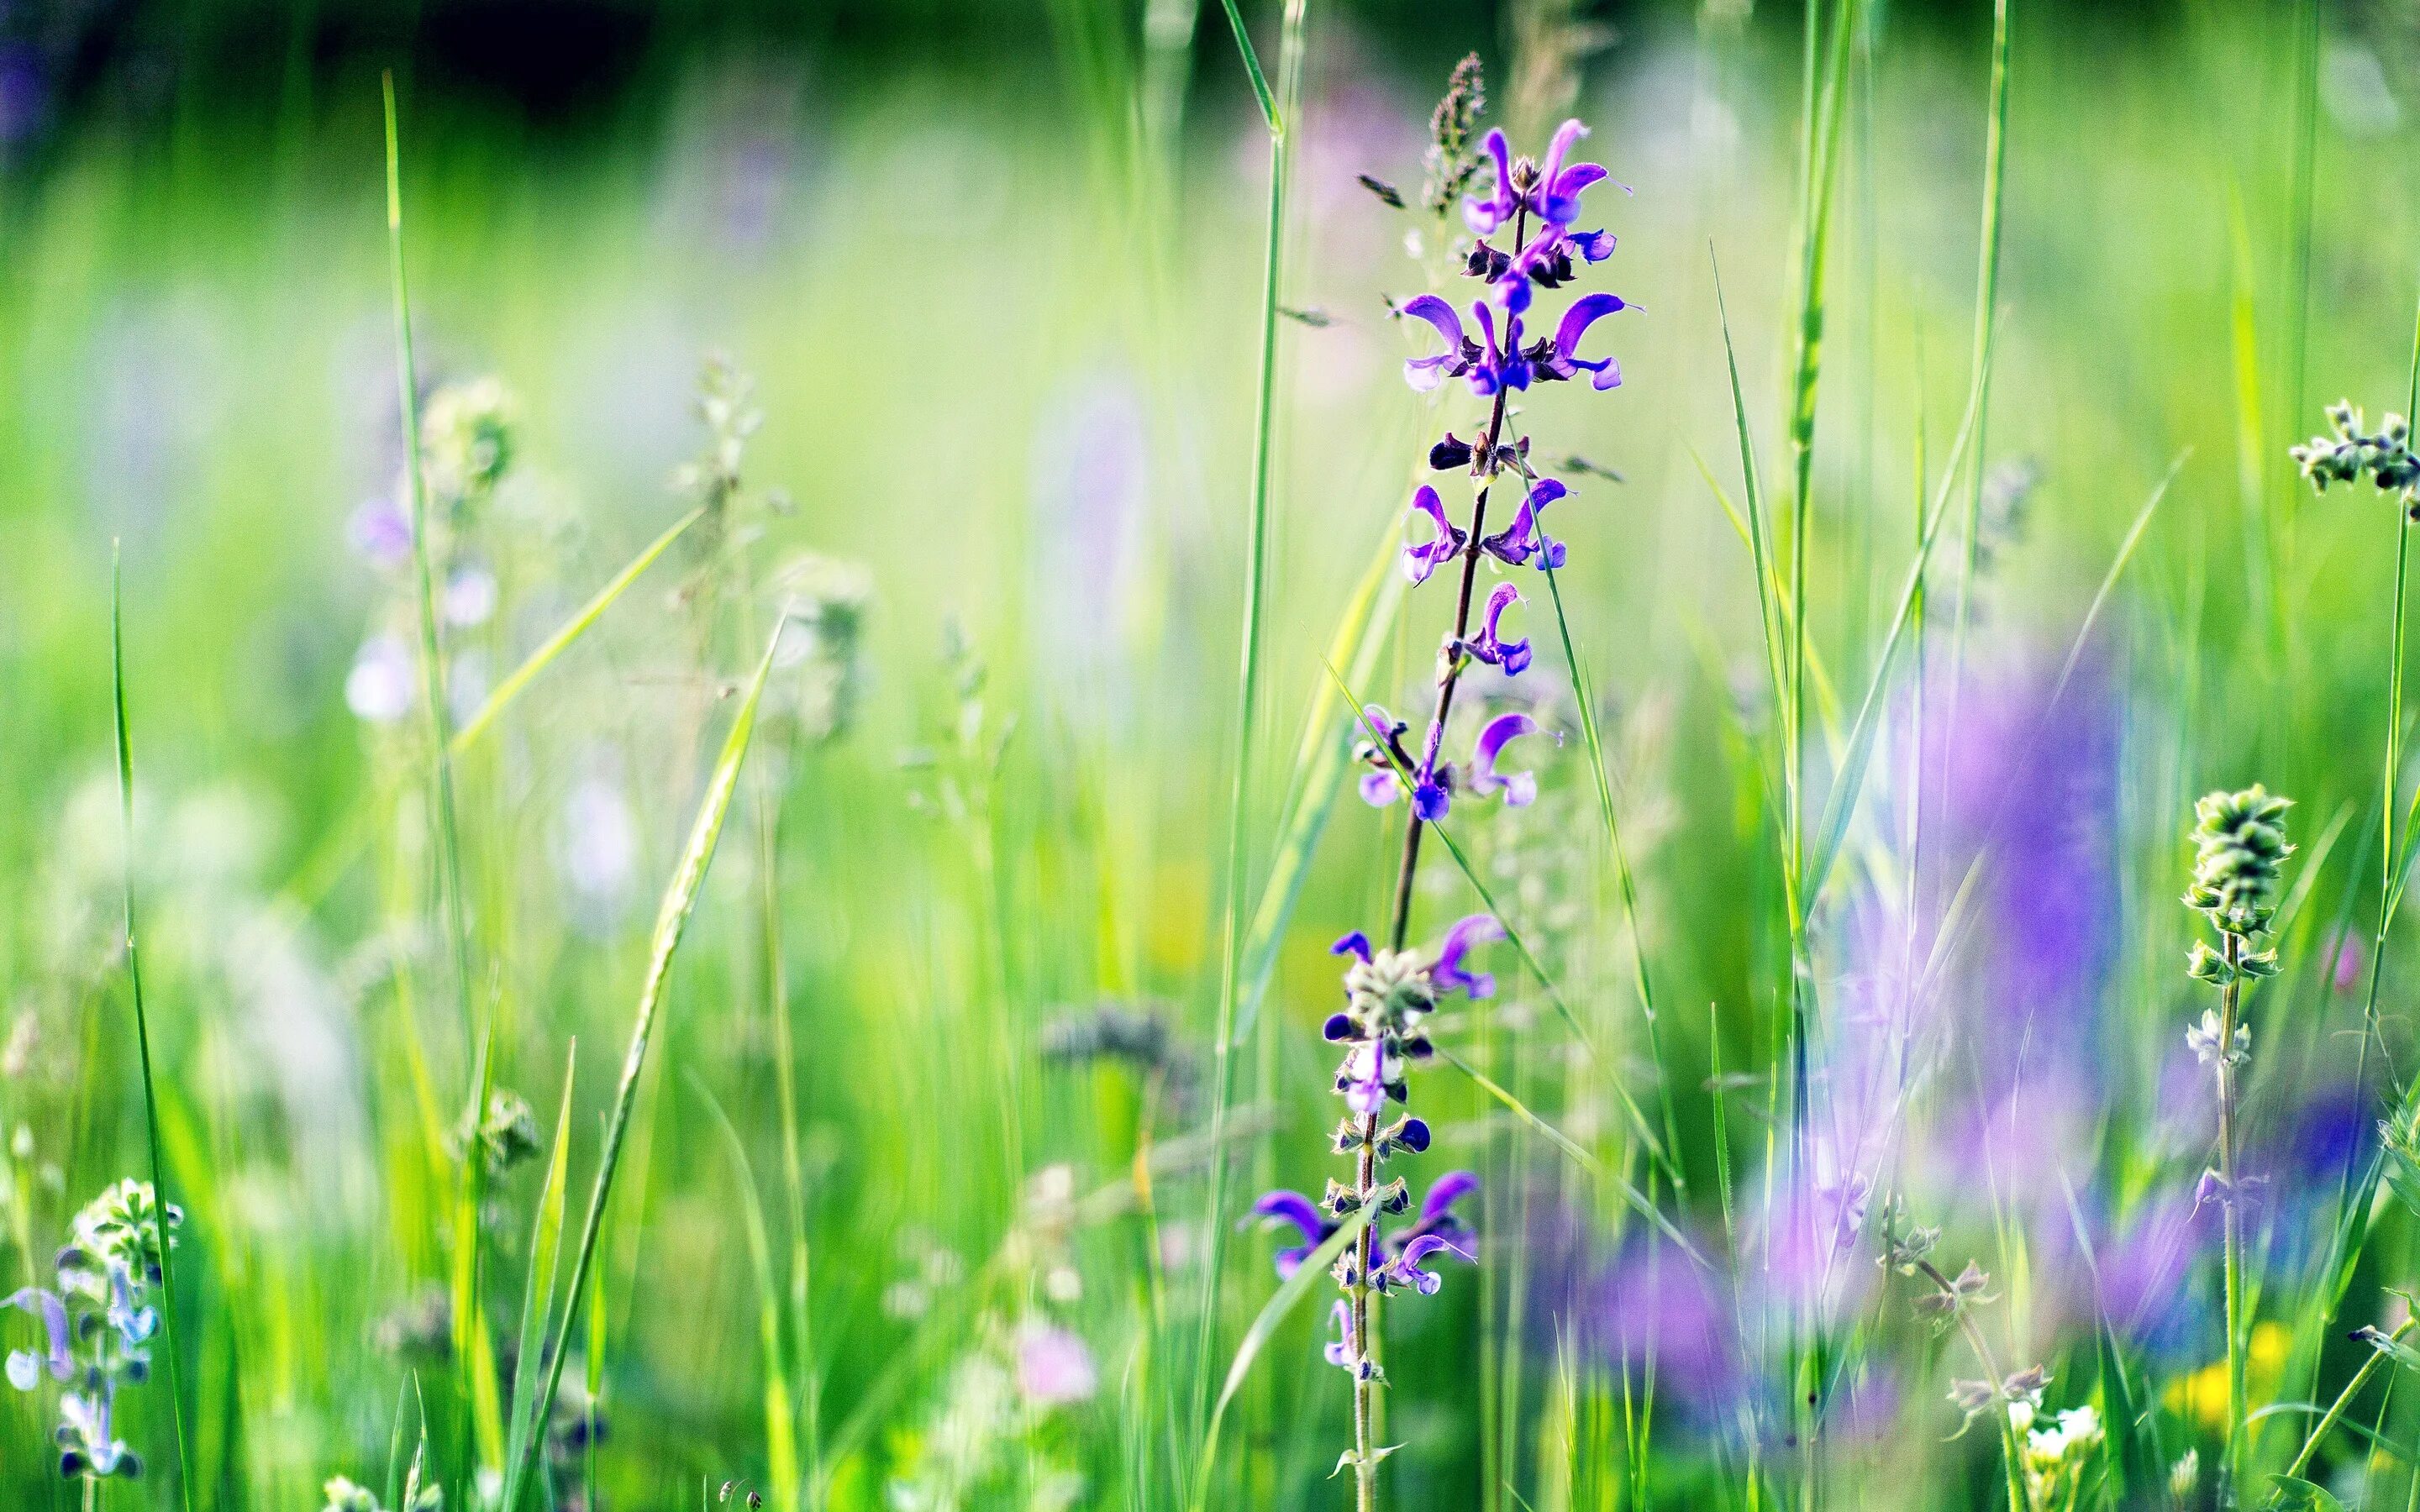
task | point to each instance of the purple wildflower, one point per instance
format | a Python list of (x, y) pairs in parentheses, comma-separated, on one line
[(1563, 361), (1503, 201), (1447, 974), (1403, 1270), (1342, 1351), (1293, 1208), (1558, 197), (1426, 373), (1500, 367), (1526, 538), (25, 1366), (1491, 647), (1519, 788), (1421, 558)]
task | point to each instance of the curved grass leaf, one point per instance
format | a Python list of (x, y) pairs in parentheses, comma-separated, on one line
[(1306, 1276), (672, 919)]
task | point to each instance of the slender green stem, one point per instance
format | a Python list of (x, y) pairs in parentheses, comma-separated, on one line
[(1585, 692), (672, 923), (143, 1024), (2344, 1400), (2229, 1002), (777, 1006), (470, 1342), (1290, 46), (2012, 1452)]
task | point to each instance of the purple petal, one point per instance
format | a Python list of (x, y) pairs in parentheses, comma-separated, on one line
[(1415, 1136), (1355, 943), (1295, 1209), (1503, 598), (1561, 204), (1520, 788), (1437, 312), (1431, 801), (1584, 312), (1338, 1027), (50, 1310), (1447, 974), (1484, 215), (1596, 246), (1448, 1190), (1567, 135), (1565, 360), (1379, 789), (1340, 1349)]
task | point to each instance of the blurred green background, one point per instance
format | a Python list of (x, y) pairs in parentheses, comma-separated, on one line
[(994, 270)]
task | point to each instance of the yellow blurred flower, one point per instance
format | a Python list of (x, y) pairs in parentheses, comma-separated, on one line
[(2201, 1396)]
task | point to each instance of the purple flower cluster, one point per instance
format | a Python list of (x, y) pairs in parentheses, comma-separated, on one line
[(1524, 194), (1388, 993), (97, 1328)]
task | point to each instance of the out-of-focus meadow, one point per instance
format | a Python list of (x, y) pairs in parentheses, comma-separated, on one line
[(910, 1211)]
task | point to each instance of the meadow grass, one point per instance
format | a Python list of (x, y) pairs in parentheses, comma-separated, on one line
[(1019, 623)]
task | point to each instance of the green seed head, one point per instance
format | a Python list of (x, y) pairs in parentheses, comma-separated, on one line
[(1390, 988), (2240, 856)]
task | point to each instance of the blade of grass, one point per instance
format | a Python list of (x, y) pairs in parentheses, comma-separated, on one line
[(570, 630), (672, 919), (1290, 48), (474, 1361), (1306, 1276), (1638, 1200), (125, 742), (1584, 693), (545, 1250), (781, 1431)]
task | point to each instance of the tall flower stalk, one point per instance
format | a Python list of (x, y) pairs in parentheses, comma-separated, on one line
[(2239, 854), (1532, 205)]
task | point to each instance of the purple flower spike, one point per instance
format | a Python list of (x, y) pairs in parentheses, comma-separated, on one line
[(1484, 215), (1564, 361), (1356, 944), (1491, 647), (1426, 373), (1421, 558), (1446, 975), (1304, 1214), (1520, 789), (25, 1366)]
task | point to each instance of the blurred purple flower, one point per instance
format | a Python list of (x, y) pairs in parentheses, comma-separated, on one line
[(380, 531), (1053, 1366)]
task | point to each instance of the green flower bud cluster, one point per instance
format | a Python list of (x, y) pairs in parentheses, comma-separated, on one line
[(2239, 855), (2349, 450)]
